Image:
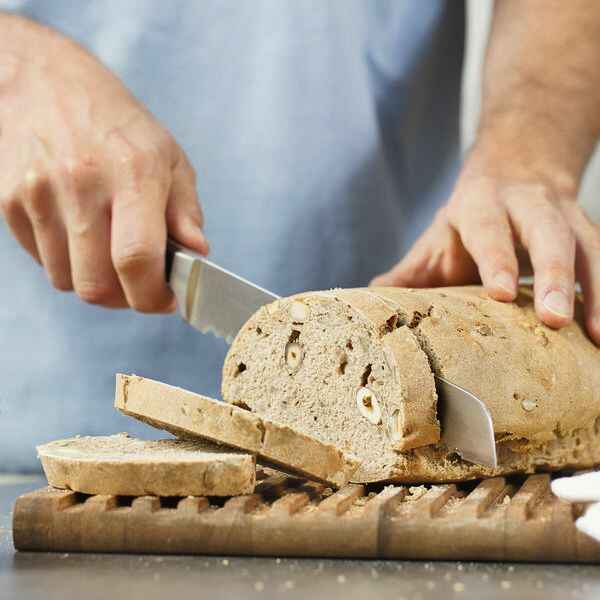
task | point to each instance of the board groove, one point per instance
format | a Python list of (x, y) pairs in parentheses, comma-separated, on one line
[(498, 519)]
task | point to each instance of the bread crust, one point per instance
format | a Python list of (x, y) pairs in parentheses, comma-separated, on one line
[(189, 415), (125, 466), (541, 386)]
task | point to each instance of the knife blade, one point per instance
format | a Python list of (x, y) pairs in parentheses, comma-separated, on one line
[(466, 423), (211, 298)]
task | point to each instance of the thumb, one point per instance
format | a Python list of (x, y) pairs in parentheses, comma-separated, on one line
[(184, 214)]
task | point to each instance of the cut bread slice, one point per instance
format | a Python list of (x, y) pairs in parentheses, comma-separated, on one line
[(190, 415), (126, 466), (355, 368)]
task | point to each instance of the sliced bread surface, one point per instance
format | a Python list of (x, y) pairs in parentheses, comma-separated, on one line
[(191, 416), (127, 466), (361, 377)]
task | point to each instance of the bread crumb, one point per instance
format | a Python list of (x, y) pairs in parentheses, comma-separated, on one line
[(259, 586), (289, 584), (278, 561), (505, 585), (506, 500), (415, 492), (341, 579), (364, 499), (458, 587), (460, 567), (225, 562)]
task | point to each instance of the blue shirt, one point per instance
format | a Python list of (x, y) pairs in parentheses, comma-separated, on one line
[(324, 134)]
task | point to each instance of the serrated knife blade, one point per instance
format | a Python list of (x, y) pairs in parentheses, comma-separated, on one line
[(213, 299), (209, 297)]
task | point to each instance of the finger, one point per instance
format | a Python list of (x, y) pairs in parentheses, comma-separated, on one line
[(20, 226), (587, 267), (544, 231), (88, 231), (48, 229), (139, 237), (184, 214), (438, 258), (487, 236)]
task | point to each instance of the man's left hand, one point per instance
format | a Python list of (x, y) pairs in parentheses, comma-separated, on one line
[(501, 211)]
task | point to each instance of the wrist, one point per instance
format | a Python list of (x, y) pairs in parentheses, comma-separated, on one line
[(524, 144)]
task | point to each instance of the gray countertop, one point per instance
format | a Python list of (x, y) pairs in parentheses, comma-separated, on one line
[(90, 576)]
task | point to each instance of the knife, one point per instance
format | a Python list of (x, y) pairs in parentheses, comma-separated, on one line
[(211, 298)]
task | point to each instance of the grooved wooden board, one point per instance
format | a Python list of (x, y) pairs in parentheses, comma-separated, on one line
[(496, 519)]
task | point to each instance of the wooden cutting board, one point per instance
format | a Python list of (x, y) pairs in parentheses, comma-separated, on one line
[(496, 519)]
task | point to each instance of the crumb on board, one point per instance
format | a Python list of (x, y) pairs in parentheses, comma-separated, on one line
[(364, 499), (415, 492)]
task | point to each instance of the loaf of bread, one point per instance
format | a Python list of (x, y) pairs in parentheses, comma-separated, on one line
[(355, 368), (192, 416), (126, 466)]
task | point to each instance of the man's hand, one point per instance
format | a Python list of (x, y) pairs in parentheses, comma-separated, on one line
[(91, 182), (491, 220), (515, 200)]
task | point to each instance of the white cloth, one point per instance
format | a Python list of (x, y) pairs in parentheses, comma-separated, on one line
[(582, 488)]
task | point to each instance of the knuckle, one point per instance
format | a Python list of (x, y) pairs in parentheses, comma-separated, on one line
[(146, 305), (60, 282), (539, 193), (556, 269), (40, 209), (139, 163), (501, 261), (94, 292), (166, 145), (10, 204), (81, 173), (134, 258)]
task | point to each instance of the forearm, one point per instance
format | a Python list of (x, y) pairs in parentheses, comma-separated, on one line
[(541, 88)]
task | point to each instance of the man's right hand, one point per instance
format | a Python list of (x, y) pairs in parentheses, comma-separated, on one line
[(90, 182)]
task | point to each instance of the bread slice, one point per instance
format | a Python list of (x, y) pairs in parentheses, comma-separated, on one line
[(126, 466), (542, 386), (189, 415)]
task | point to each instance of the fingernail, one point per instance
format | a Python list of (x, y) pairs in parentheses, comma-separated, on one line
[(506, 282), (556, 302)]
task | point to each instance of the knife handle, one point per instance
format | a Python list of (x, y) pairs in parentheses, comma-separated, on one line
[(181, 271)]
